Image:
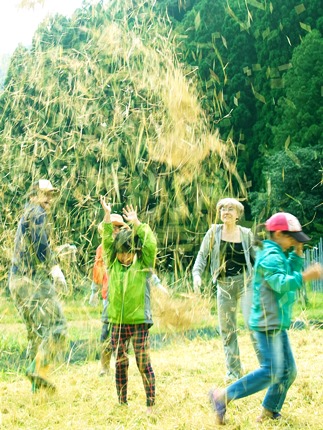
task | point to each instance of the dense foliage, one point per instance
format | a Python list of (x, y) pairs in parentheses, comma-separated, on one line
[(100, 105), (129, 98), (259, 67)]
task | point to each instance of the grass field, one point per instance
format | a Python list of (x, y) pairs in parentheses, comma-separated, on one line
[(185, 371)]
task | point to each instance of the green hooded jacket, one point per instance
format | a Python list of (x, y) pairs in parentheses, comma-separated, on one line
[(128, 287), (277, 277)]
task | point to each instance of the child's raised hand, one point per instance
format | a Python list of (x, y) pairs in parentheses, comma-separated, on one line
[(106, 207), (130, 214)]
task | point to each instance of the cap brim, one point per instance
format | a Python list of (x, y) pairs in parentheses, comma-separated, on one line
[(117, 220), (118, 223), (300, 236), (122, 226)]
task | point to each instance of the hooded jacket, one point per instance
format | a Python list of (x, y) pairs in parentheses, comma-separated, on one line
[(277, 277), (129, 288)]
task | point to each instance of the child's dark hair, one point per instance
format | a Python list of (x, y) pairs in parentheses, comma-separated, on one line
[(126, 241)]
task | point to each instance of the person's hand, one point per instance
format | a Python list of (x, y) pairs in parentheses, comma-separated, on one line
[(130, 214), (59, 278), (106, 207), (313, 272), (156, 282), (94, 299), (298, 248), (197, 282)]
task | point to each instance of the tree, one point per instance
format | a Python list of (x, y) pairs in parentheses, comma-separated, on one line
[(111, 112), (301, 110), (294, 173), (294, 184)]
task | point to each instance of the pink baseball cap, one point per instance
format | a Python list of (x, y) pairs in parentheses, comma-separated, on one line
[(283, 221)]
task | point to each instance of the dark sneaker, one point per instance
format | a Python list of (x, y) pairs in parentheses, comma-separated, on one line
[(219, 406), (268, 415)]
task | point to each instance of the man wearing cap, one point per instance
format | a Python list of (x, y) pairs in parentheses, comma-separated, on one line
[(35, 280), (278, 275)]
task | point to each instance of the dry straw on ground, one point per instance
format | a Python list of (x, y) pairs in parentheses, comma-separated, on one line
[(185, 371), (180, 313)]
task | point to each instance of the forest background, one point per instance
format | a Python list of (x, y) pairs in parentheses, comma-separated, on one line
[(169, 105)]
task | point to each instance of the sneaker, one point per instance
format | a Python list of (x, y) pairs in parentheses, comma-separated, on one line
[(219, 406), (268, 415)]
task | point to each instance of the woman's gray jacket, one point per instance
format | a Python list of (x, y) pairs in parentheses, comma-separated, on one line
[(210, 247)]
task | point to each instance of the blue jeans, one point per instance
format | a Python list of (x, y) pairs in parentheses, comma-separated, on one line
[(277, 371)]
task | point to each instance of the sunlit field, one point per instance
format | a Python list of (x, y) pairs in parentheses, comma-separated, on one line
[(186, 363)]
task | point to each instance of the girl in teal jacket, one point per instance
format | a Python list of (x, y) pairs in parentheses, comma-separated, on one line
[(277, 276), (130, 257)]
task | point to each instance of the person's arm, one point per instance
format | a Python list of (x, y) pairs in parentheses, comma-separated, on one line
[(252, 249), (201, 259), (98, 267), (156, 282), (39, 238), (296, 260), (94, 297), (107, 232), (97, 279), (145, 234), (313, 272), (107, 242), (149, 244), (276, 275), (43, 250)]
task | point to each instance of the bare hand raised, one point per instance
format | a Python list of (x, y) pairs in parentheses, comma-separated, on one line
[(106, 207), (130, 214)]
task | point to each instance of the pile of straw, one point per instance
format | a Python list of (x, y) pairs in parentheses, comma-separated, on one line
[(180, 313)]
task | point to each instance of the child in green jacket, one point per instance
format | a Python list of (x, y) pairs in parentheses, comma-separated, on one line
[(130, 257)]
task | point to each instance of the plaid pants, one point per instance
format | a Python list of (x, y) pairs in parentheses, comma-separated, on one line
[(120, 340)]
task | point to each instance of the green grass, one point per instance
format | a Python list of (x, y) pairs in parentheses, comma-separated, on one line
[(313, 310), (197, 319)]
